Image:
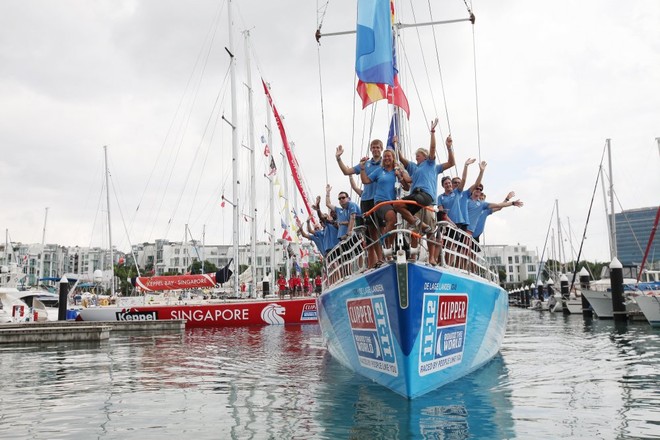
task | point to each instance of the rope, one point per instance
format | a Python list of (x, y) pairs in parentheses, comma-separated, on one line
[(586, 223), (437, 57), (476, 88), (318, 57)]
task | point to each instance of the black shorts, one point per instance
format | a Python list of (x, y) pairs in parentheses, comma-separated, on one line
[(420, 197), (366, 205), (381, 212)]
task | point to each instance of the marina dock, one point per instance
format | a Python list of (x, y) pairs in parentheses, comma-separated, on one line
[(79, 331)]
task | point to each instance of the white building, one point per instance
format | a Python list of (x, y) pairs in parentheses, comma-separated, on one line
[(516, 261)]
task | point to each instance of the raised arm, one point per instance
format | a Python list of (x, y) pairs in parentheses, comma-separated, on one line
[(518, 203), (399, 151), (301, 230), (506, 199), (317, 207), (451, 161), (363, 171), (342, 166), (356, 188), (434, 123), (482, 168), (464, 175), (328, 202)]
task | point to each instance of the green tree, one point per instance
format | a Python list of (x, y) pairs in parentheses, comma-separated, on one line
[(124, 273), (196, 267)]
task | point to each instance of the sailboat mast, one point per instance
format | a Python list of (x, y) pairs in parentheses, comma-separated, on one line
[(43, 244), (234, 146), (612, 222), (253, 181), (107, 195), (271, 185), (285, 182), (562, 261)]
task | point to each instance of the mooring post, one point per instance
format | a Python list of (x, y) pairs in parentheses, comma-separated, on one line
[(616, 281), (563, 288), (64, 299), (584, 285)]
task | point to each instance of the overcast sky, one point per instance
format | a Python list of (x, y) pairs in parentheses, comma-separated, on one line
[(149, 79)]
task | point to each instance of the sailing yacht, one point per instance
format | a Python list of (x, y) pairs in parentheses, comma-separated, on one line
[(409, 325), (224, 312)]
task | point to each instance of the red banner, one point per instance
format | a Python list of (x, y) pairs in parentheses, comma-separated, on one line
[(175, 282), (293, 163)]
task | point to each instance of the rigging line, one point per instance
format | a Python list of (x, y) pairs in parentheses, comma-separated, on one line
[(419, 97), (174, 117), (319, 22), (325, 152), (538, 271), (586, 223), (185, 129), (625, 216), (169, 179), (123, 221), (476, 88), (208, 150), (437, 57), (426, 69), (98, 208)]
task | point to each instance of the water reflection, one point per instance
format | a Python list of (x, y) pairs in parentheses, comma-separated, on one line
[(557, 377), (473, 407)]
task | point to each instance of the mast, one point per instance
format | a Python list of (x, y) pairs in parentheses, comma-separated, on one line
[(43, 245), (609, 224), (203, 246), (253, 183), (107, 195), (234, 147), (613, 223), (559, 241), (272, 277), (285, 181)]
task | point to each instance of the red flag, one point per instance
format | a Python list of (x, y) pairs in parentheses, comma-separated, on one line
[(286, 235), (266, 150), (396, 96), (294, 168), (371, 92)]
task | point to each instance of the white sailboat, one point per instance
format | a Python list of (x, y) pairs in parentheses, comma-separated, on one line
[(238, 311), (599, 293)]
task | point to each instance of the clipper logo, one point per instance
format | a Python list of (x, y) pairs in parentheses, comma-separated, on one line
[(309, 312), (127, 315), (372, 334), (444, 320)]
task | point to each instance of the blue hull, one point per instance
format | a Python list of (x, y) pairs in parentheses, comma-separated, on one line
[(413, 328)]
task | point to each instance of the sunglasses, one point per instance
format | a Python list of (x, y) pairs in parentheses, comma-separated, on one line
[(342, 197), (478, 189)]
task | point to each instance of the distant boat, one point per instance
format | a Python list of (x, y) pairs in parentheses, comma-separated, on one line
[(206, 312)]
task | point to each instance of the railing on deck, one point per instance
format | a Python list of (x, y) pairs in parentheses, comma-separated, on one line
[(458, 250)]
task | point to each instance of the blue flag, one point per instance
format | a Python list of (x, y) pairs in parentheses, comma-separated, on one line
[(394, 130), (373, 54)]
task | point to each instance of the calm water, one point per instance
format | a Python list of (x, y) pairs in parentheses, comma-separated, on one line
[(556, 377)]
